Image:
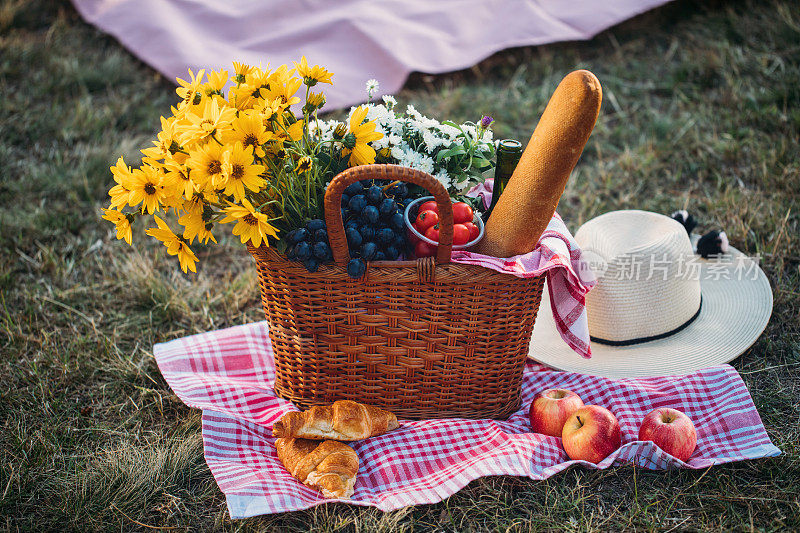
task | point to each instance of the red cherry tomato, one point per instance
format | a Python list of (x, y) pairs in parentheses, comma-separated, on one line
[(474, 230), (423, 249), (425, 220), (460, 234), (429, 205), (433, 233), (462, 213)]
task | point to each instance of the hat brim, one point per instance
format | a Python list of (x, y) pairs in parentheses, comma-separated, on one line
[(736, 308)]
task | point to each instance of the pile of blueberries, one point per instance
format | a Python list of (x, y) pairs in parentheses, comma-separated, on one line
[(309, 245), (372, 212)]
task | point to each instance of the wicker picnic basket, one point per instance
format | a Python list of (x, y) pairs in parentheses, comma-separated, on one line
[(424, 338)]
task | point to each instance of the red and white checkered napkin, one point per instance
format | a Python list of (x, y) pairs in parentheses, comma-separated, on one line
[(558, 256), (569, 278), (229, 374)]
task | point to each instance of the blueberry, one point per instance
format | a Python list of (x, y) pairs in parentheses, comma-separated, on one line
[(397, 222), (321, 235), (370, 214), (380, 256), (321, 250), (399, 241), (386, 235), (354, 252), (399, 191), (298, 235), (354, 238), (311, 264), (367, 232), (351, 224), (366, 184), (374, 195), (353, 189), (368, 250), (357, 203), (302, 251), (290, 253), (356, 268), (345, 199), (315, 224), (387, 207), (291, 236), (392, 253)]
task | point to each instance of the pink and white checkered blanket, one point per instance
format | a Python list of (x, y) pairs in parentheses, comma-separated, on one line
[(229, 375)]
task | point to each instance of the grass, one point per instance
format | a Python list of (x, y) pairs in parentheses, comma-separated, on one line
[(702, 110)]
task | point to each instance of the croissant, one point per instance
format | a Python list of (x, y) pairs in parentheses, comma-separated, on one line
[(344, 420), (327, 466)]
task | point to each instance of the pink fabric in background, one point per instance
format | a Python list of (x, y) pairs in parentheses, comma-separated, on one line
[(355, 39)]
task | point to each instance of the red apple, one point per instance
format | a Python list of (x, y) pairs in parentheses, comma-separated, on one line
[(551, 408), (670, 430), (591, 434)]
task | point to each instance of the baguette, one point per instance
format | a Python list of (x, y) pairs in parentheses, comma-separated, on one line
[(532, 194)]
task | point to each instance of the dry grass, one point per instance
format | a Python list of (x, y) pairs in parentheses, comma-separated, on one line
[(702, 110)]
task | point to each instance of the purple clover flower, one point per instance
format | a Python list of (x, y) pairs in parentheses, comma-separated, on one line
[(486, 121)]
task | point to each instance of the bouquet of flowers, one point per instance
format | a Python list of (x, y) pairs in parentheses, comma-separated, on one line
[(244, 156)]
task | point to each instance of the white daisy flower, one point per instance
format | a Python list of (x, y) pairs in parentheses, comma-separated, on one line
[(443, 178), (398, 152), (424, 163), (372, 87), (390, 101)]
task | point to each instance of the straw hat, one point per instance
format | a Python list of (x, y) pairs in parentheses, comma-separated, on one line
[(657, 309)]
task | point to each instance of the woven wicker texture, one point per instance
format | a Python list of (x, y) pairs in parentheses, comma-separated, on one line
[(423, 339)]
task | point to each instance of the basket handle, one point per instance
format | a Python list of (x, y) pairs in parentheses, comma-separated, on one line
[(333, 203)]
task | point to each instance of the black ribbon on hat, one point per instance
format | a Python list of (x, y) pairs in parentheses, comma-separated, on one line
[(640, 340)]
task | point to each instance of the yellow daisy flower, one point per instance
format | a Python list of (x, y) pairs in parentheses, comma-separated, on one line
[(250, 224), (206, 166), (240, 172), (282, 87), (315, 100), (258, 79), (198, 202), (241, 97), (178, 175), (276, 150), (123, 223), (216, 82), (197, 224), (303, 165), (173, 187), (355, 142), (249, 129), (240, 72), (189, 91), (312, 75), (147, 188), (121, 192), (167, 145), (175, 245), (292, 132), (214, 120)]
